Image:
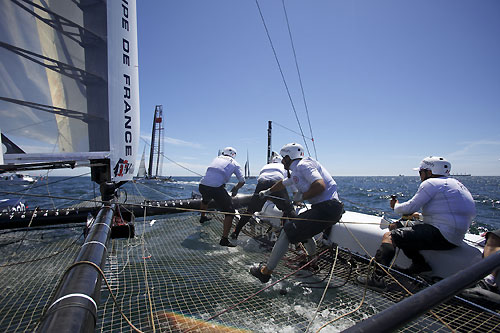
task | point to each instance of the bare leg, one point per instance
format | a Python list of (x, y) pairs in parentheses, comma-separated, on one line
[(203, 207), (492, 246), (228, 222), (278, 251)]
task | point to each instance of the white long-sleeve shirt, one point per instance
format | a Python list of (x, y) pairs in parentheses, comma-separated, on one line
[(220, 170), (446, 204)]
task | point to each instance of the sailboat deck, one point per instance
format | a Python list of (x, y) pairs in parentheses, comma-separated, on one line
[(173, 276)]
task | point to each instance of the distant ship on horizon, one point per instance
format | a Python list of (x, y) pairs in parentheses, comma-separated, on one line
[(461, 175)]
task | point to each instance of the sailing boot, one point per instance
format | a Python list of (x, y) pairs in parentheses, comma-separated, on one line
[(204, 219), (418, 263), (257, 272), (372, 281), (225, 242), (375, 280)]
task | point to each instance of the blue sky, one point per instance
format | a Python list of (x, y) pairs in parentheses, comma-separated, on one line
[(386, 82)]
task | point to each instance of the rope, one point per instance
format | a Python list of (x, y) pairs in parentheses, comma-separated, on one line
[(43, 258), (324, 291), (392, 278), (258, 292), (107, 285), (185, 168), (146, 281)]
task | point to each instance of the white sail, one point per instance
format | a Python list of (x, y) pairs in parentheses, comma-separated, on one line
[(247, 168), (141, 173), (69, 88), (123, 87)]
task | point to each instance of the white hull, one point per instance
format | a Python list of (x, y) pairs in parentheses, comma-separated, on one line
[(17, 179), (362, 234)]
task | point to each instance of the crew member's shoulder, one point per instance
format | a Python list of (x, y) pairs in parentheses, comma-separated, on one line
[(437, 182), (307, 162)]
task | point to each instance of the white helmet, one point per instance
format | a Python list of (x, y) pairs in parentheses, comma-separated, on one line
[(438, 165), (229, 151), (276, 159), (293, 150)]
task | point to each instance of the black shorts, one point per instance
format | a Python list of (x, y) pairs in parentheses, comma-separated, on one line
[(223, 201), (494, 232), (420, 236), (300, 230)]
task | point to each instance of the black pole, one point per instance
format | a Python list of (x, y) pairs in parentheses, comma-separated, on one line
[(269, 136), (158, 120), (74, 305), (152, 147), (412, 307)]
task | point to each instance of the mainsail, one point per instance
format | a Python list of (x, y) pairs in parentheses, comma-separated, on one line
[(247, 168), (141, 173), (69, 91)]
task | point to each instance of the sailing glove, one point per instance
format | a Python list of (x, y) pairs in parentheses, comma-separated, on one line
[(264, 193), (297, 197), (234, 191)]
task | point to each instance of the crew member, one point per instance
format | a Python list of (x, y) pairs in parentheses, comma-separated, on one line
[(212, 186), (314, 184), (447, 212), (269, 175)]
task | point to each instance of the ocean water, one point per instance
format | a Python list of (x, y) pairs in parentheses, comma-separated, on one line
[(369, 195)]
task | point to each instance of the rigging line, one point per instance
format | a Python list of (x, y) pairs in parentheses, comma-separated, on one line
[(325, 290), (152, 189), (103, 276), (300, 78), (291, 130), (282, 75), (435, 315), (146, 280), (54, 182), (185, 168), (43, 258), (256, 293)]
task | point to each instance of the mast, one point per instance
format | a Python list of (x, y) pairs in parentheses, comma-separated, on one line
[(247, 168), (156, 140), (269, 148)]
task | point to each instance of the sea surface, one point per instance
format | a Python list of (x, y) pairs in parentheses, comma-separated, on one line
[(369, 195)]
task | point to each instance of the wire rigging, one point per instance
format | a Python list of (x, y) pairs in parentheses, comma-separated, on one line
[(291, 130), (180, 165), (282, 75), (300, 79)]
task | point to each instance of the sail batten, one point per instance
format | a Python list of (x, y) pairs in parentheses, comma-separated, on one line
[(70, 81)]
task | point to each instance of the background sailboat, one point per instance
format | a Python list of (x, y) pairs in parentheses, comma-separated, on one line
[(154, 170), (141, 172), (247, 169)]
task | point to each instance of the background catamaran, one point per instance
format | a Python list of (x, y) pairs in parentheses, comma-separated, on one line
[(85, 110), (153, 172)]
